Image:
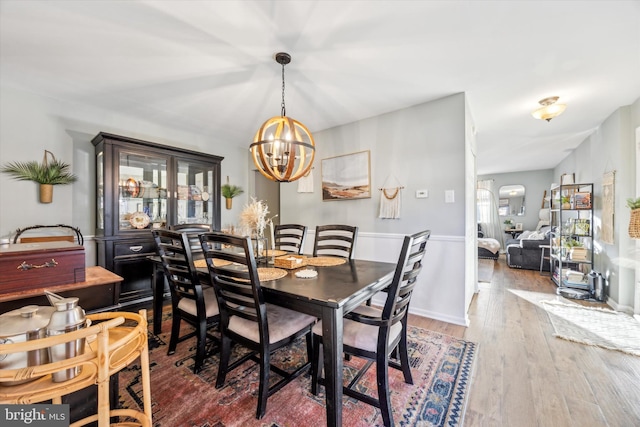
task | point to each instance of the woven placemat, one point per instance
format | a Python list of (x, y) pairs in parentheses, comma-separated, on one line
[(202, 263), (273, 252), (267, 273), (325, 261)]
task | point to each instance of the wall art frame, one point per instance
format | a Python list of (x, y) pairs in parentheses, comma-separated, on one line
[(347, 177)]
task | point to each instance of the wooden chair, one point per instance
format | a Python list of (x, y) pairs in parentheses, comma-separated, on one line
[(245, 318), (192, 298), (115, 346), (335, 240), (193, 230), (375, 334), (290, 237)]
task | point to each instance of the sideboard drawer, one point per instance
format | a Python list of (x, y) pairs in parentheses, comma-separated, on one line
[(134, 248)]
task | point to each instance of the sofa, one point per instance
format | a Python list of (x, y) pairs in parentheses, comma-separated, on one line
[(525, 252)]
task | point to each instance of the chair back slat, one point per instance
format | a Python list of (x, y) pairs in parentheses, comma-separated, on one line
[(237, 285), (290, 237), (335, 240)]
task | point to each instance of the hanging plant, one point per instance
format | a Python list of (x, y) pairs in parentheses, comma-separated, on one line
[(47, 174)]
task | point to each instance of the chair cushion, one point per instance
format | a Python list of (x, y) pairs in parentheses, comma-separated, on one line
[(361, 336), (211, 304), (282, 324)]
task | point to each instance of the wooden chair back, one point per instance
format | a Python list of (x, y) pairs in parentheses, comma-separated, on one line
[(174, 250), (290, 237), (235, 279), (335, 240)]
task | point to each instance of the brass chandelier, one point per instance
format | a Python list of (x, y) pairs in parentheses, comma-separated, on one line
[(283, 148)]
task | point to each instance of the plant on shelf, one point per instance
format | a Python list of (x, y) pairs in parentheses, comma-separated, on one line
[(508, 223), (634, 220), (47, 174), (566, 202), (229, 192)]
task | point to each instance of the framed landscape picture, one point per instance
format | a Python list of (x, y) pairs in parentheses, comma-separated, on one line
[(346, 177)]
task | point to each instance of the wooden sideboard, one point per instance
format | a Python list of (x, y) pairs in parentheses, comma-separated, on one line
[(99, 292)]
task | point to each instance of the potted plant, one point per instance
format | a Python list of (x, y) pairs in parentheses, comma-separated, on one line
[(566, 202), (508, 223), (47, 174), (229, 192), (634, 220)]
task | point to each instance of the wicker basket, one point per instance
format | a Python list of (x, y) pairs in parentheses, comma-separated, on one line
[(290, 261), (634, 224)]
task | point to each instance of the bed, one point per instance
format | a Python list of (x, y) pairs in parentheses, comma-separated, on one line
[(488, 248)]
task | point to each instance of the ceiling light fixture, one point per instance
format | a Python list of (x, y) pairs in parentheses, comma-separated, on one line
[(549, 109), (283, 148)]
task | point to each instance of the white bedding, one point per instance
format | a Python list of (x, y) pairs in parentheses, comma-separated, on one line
[(489, 244)]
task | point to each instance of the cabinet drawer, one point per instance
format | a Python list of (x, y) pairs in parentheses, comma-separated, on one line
[(134, 248)]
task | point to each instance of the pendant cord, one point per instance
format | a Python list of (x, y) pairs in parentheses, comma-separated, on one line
[(284, 109)]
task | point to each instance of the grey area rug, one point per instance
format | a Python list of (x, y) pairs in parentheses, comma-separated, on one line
[(600, 327), (485, 270)]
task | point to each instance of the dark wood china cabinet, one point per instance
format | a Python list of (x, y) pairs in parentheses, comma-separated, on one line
[(142, 185)]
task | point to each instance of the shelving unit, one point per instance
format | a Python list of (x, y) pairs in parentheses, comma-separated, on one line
[(142, 185), (571, 219)]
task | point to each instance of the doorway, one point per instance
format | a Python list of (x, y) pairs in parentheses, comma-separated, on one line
[(269, 192)]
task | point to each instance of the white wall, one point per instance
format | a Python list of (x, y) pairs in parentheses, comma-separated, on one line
[(423, 147), (30, 124), (611, 148)]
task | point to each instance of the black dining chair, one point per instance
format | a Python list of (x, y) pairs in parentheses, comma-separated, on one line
[(375, 334), (193, 230), (335, 240), (290, 237), (245, 317), (192, 297)]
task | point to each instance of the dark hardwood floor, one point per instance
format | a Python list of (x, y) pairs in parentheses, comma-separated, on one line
[(524, 376)]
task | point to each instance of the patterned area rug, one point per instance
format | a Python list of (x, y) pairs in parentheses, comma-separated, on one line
[(485, 270), (441, 367), (604, 328)]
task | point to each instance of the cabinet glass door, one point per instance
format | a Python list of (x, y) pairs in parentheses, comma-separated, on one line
[(142, 191), (195, 183)]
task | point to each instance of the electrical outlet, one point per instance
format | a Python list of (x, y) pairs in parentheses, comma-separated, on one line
[(422, 194)]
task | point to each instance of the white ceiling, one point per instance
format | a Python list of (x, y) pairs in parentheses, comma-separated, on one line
[(208, 66)]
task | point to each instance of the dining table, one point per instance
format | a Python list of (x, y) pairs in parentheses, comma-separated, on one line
[(335, 291)]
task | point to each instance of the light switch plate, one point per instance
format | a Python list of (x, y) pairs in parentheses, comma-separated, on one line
[(449, 196), (422, 194)]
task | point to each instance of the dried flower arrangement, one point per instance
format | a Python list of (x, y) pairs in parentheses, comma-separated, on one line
[(254, 217)]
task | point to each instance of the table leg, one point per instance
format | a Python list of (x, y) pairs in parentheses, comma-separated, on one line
[(158, 296), (332, 353)]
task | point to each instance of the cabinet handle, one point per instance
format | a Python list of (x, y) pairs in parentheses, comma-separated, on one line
[(136, 248)]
